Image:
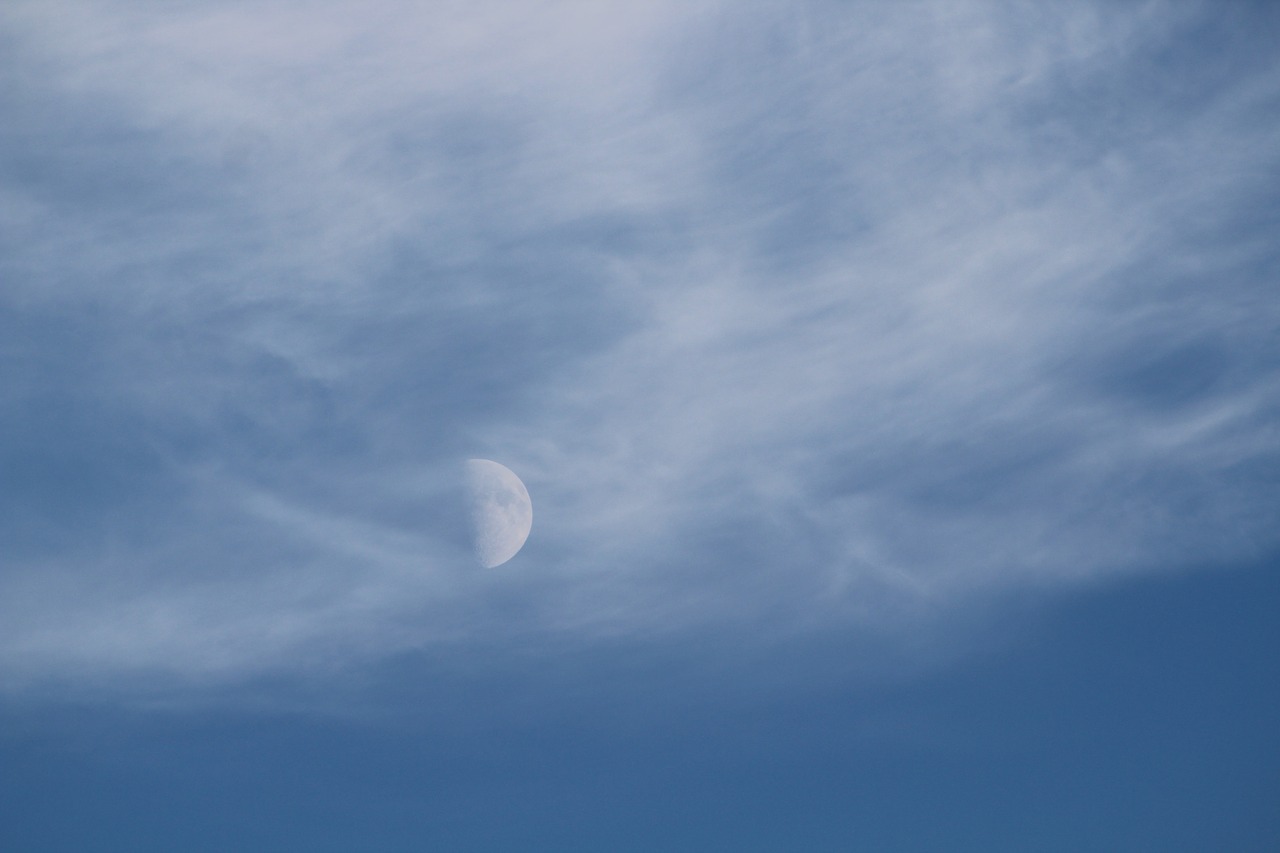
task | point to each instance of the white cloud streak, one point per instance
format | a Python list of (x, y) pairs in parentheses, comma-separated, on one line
[(787, 318)]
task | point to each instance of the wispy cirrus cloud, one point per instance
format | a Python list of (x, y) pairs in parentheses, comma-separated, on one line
[(831, 316)]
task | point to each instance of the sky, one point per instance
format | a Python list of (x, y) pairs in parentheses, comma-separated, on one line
[(896, 386)]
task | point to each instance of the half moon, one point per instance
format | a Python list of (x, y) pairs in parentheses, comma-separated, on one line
[(501, 512)]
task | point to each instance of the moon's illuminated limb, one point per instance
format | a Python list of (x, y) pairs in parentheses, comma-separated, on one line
[(501, 512)]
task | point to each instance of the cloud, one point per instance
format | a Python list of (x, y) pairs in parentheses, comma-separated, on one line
[(789, 319)]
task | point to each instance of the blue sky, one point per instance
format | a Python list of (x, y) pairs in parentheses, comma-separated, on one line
[(896, 386)]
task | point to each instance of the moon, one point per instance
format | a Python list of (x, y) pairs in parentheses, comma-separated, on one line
[(501, 512)]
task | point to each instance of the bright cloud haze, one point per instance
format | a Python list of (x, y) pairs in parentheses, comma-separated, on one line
[(855, 320)]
